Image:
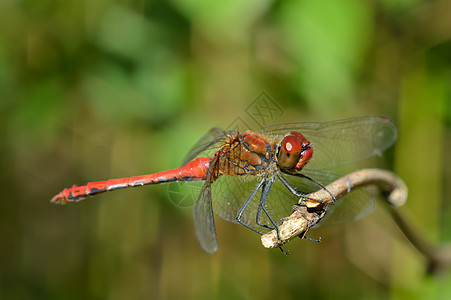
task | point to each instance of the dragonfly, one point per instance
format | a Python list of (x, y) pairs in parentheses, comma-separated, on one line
[(253, 178)]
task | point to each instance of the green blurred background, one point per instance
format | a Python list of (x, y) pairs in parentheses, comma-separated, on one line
[(91, 90)]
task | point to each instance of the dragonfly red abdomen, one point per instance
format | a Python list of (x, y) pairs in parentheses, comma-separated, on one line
[(195, 170)]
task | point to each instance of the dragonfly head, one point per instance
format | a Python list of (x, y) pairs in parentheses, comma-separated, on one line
[(294, 152)]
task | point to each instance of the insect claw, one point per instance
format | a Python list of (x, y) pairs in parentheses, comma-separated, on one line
[(284, 252), (310, 239)]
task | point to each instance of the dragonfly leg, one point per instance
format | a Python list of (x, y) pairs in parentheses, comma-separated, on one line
[(284, 252), (246, 204), (293, 190), (302, 194), (317, 183), (261, 206), (310, 239)]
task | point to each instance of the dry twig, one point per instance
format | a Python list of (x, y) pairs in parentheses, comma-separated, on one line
[(308, 213)]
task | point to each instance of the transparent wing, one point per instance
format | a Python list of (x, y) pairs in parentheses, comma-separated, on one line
[(230, 192), (210, 140), (204, 222), (351, 207), (342, 142)]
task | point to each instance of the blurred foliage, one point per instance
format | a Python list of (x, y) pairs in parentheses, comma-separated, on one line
[(91, 90)]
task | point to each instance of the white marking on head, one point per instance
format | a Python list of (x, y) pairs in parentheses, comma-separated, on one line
[(288, 146)]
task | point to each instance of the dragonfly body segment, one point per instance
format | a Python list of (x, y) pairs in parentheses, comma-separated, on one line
[(195, 170), (244, 154)]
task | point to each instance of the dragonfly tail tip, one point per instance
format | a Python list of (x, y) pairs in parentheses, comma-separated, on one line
[(58, 199)]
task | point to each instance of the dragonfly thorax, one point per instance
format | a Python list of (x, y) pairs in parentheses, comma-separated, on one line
[(245, 154)]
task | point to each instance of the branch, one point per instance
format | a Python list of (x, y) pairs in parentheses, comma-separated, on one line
[(308, 213)]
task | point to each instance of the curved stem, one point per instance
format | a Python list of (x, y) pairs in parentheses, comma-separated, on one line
[(307, 213)]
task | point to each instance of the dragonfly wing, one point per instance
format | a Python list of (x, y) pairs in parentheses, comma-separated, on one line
[(208, 141), (204, 222), (342, 142), (230, 192), (351, 207)]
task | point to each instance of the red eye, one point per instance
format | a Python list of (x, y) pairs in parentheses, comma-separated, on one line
[(294, 142), (294, 152), (291, 144)]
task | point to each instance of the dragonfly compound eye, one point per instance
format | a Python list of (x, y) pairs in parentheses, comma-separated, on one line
[(294, 152), (290, 151)]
